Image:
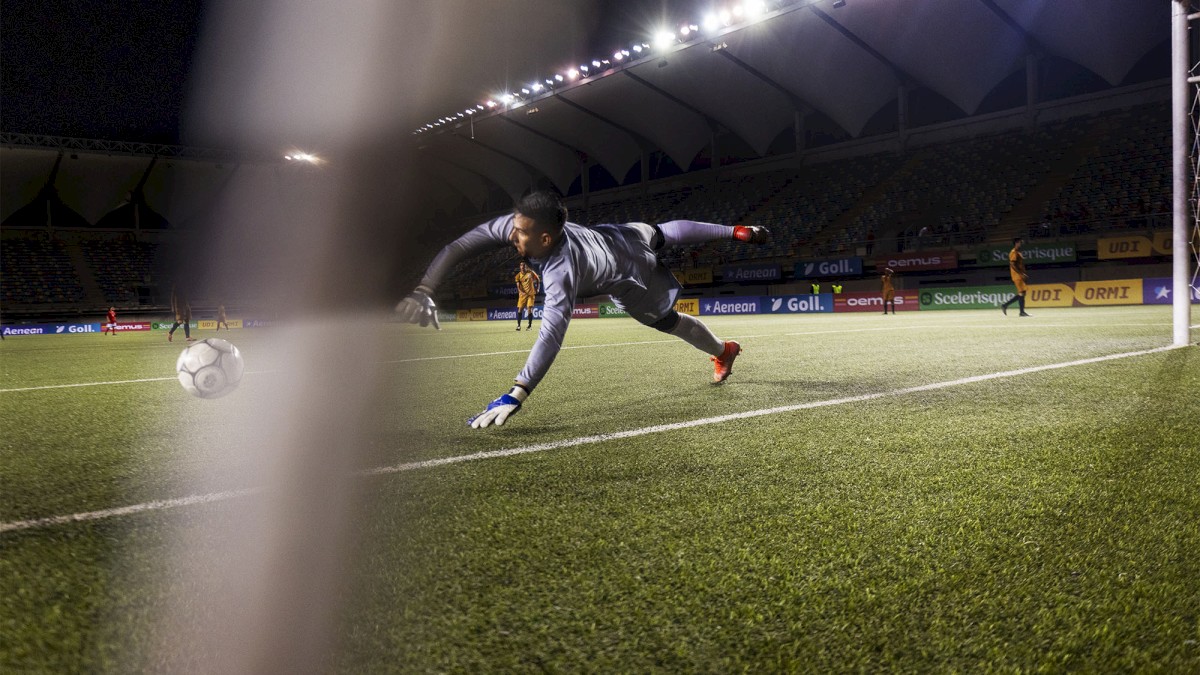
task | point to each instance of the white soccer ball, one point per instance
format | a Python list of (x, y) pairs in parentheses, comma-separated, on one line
[(210, 368)]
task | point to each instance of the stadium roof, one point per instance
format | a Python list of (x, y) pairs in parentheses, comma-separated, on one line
[(846, 64)]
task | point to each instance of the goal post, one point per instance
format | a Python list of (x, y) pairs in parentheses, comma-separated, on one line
[(1185, 115)]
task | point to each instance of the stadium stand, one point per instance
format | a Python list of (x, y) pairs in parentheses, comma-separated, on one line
[(38, 271)]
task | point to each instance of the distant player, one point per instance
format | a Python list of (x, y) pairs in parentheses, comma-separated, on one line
[(221, 318), (889, 291), (110, 323), (182, 309), (620, 261), (1016, 269), (528, 284)]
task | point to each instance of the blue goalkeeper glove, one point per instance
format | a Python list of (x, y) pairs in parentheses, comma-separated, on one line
[(418, 307), (499, 410)]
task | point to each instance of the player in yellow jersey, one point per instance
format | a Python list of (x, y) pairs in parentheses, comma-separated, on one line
[(1016, 269), (528, 284), (888, 292)]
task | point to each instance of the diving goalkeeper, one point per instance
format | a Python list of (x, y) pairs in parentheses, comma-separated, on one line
[(576, 261)]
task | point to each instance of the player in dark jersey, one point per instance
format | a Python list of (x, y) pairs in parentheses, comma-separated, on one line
[(620, 261)]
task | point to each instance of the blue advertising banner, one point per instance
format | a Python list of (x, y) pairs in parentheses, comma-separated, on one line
[(835, 267), (1160, 291), (751, 273), (510, 313), (739, 305), (798, 304), (52, 329), (502, 291)]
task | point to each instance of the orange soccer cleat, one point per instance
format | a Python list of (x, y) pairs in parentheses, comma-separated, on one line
[(723, 364)]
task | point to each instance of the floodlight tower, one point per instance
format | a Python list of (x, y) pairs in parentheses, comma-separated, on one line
[(1185, 100)]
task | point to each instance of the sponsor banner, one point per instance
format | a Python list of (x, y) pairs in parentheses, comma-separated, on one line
[(739, 305), (798, 304), (609, 310), (122, 327), (906, 301), (1119, 292), (477, 314), (971, 297), (919, 260), (1161, 291), (251, 323), (1049, 295), (443, 316), (697, 275), (836, 267), (166, 325), (1132, 246), (751, 273), (211, 324), (688, 306), (1035, 254), (586, 312), (52, 329), (510, 314), (502, 291)]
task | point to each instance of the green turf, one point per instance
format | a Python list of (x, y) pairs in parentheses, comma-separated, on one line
[(1041, 522)]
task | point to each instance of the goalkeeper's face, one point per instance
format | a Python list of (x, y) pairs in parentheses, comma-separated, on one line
[(530, 239)]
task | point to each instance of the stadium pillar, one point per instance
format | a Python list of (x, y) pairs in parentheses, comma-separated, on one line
[(1180, 104), (1031, 89)]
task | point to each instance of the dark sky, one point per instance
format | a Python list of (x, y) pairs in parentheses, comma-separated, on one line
[(120, 69)]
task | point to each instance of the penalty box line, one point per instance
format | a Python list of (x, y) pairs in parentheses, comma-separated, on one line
[(159, 505)]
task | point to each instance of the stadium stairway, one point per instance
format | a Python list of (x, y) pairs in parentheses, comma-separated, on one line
[(1032, 208), (93, 296)]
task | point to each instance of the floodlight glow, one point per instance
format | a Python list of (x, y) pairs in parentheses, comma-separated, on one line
[(684, 31), (711, 22), (524, 91), (595, 64), (572, 73), (637, 48), (507, 98), (558, 77), (490, 103), (663, 39), (536, 86), (618, 56), (737, 11), (726, 17), (755, 9)]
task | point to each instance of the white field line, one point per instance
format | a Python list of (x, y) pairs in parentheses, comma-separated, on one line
[(571, 442), (100, 384)]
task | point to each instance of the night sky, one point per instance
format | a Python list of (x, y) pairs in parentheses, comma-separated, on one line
[(120, 69)]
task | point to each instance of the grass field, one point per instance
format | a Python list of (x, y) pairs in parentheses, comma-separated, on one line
[(866, 493)]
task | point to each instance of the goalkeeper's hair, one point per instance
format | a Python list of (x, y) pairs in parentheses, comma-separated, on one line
[(545, 208)]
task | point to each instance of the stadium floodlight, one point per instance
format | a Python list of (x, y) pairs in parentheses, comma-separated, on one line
[(738, 10), (725, 17), (572, 74), (524, 91), (558, 77), (481, 107), (663, 39), (583, 69), (507, 98), (684, 30), (618, 56), (637, 48), (536, 86), (711, 22), (550, 82), (755, 9), (490, 103), (595, 64)]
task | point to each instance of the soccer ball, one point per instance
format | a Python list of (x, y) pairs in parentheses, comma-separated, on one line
[(210, 368)]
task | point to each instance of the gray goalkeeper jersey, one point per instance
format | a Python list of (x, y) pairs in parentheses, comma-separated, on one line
[(613, 260)]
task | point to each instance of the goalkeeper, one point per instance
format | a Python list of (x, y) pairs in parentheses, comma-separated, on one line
[(576, 261)]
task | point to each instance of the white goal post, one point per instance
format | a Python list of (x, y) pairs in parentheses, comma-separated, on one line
[(1185, 118)]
